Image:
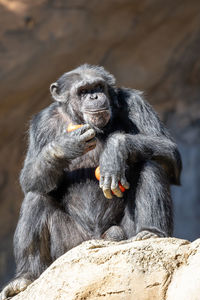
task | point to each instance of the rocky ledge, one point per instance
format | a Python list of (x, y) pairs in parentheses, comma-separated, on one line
[(154, 269)]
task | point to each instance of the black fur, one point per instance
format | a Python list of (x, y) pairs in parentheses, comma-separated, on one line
[(64, 204)]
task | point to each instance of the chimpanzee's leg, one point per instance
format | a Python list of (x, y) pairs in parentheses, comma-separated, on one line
[(150, 214), (44, 232), (31, 244), (65, 233)]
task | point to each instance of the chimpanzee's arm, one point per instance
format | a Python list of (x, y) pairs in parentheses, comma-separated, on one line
[(152, 140), (142, 137), (50, 150)]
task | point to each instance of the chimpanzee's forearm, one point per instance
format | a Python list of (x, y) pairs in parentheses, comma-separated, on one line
[(43, 167), (158, 148), (42, 172)]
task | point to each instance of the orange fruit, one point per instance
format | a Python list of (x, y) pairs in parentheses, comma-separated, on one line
[(72, 127), (97, 173)]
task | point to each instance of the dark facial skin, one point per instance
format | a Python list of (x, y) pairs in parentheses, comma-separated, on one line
[(95, 105)]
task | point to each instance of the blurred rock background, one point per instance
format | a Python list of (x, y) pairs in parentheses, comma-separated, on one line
[(152, 45)]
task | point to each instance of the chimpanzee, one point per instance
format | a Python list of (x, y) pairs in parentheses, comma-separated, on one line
[(64, 203)]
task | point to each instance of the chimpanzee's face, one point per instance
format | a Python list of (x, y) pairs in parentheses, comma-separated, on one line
[(85, 97), (94, 103)]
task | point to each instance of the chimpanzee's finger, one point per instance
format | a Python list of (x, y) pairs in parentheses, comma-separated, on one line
[(115, 186), (117, 192), (107, 193), (90, 145), (101, 181), (79, 131), (106, 187), (88, 135), (124, 182)]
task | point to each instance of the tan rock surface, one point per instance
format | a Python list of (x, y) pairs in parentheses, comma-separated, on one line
[(155, 269), (185, 284)]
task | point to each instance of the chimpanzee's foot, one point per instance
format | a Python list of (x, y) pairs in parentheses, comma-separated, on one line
[(114, 233), (144, 235), (147, 233), (14, 287)]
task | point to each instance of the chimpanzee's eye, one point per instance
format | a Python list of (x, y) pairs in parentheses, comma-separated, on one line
[(99, 87), (83, 91)]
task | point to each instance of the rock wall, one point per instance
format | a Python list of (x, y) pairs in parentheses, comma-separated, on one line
[(155, 269), (149, 45)]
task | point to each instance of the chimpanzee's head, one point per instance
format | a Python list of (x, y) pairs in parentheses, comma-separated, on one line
[(87, 94)]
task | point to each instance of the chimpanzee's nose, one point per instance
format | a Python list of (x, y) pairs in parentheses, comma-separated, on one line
[(93, 96)]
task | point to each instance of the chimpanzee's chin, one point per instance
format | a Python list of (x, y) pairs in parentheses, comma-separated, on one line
[(98, 120)]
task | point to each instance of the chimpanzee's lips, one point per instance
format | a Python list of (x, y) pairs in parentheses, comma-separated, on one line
[(98, 117), (91, 111)]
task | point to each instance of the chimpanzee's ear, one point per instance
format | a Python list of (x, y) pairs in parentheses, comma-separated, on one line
[(54, 87)]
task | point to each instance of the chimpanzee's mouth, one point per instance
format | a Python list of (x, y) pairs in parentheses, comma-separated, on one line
[(98, 117), (93, 111)]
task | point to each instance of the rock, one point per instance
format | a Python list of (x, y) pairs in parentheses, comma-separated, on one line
[(185, 284), (155, 269)]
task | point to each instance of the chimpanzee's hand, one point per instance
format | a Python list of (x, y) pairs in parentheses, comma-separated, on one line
[(83, 138), (74, 144), (113, 166)]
